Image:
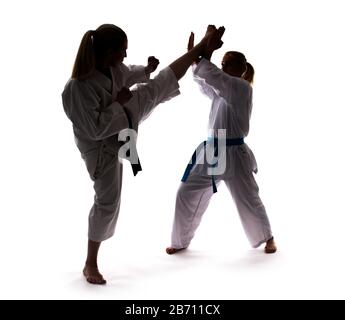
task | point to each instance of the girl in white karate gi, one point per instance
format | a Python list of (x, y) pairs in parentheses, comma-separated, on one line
[(98, 102), (230, 91)]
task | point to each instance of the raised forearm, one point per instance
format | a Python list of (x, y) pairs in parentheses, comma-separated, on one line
[(181, 65), (207, 54)]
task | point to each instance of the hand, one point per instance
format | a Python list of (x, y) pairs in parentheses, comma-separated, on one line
[(191, 42), (124, 96), (152, 64), (191, 46), (214, 39), (210, 29)]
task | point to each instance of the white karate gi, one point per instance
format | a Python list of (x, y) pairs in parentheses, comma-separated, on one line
[(97, 119), (231, 109)]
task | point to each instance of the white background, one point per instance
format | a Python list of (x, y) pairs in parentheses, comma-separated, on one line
[(297, 131)]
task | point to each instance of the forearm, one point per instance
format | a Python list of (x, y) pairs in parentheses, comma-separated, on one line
[(214, 43), (181, 65), (207, 54), (147, 71)]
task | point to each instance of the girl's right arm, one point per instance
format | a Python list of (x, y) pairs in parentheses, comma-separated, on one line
[(226, 86)]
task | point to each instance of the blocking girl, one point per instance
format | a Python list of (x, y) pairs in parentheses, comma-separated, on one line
[(230, 91)]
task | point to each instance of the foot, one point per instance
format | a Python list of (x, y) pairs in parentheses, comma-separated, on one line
[(92, 275), (270, 246), (171, 250)]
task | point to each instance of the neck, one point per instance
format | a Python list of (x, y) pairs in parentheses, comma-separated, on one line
[(105, 70), (234, 74), (103, 66)]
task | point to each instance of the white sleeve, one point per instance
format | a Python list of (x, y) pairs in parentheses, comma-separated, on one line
[(136, 74), (203, 86), (81, 104), (224, 85)]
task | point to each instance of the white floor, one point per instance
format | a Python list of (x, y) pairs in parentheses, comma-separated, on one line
[(218, 265), (297, 135)]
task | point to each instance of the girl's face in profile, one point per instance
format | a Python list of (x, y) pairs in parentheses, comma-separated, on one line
[(231, 66), (119, 55), (228, 64)]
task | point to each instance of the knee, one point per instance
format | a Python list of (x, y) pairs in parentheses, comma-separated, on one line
[(182, 190), (108, 204)]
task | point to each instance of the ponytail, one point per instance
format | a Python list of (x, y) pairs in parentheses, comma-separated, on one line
[(249, 73), (84, 64), (93, 48)]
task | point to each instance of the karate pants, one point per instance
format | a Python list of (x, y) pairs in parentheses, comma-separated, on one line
[(194, 196), (107, 185)]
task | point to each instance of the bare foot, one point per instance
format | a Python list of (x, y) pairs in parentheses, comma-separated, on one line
[(171, 250), (92, 275), (270, 246)]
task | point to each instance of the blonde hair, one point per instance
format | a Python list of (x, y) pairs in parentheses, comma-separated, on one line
[(249, 73)]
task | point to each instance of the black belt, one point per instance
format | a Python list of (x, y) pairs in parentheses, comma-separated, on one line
[(136, 167)]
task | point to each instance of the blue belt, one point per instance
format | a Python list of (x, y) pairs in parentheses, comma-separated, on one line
[(191, 164)]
